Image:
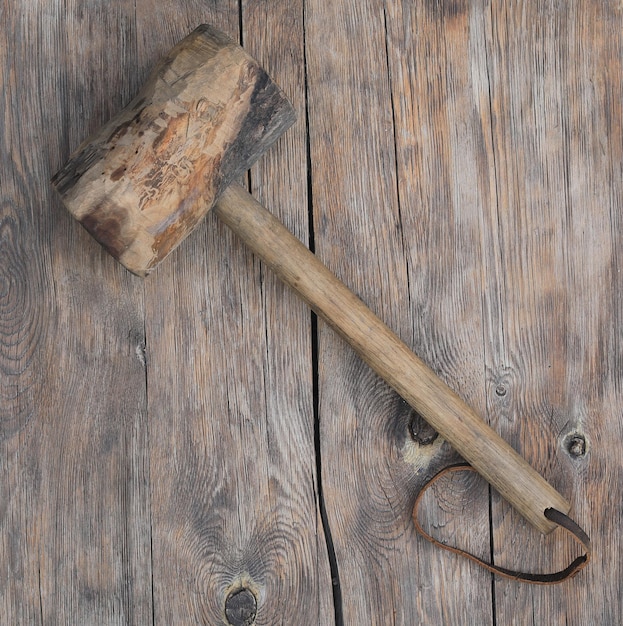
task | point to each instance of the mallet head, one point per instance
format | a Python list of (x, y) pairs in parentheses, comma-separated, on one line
[(142, 182)]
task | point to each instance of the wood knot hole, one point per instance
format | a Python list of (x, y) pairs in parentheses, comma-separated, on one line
[(575, 444), (240, 608), (421, 431), (500, 390)]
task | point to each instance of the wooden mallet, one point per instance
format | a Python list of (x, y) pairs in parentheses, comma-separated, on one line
[(143, 182)]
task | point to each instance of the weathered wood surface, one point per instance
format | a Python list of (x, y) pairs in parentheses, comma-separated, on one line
[(463, 166), (152, 479)]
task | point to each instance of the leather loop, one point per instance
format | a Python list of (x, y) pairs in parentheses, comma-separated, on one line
[(555, 516)]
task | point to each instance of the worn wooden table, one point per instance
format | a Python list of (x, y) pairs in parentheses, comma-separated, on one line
[(194, 448)]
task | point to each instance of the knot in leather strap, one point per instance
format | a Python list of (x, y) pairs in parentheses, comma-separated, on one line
[(553, 515)]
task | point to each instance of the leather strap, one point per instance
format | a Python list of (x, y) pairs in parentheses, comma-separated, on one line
[(537, 579)]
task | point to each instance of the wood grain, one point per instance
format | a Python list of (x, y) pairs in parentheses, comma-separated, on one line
[(156, 439), (553, 327), (74, 522), (276, 39), (233, 460), (365, 220)]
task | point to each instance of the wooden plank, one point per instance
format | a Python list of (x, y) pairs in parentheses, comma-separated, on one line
[(230, 392), (392, 201), (279, 180), (74, 518), (445, 174), (553, 285)]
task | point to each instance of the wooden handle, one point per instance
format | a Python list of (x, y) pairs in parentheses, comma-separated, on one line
[(384, 352)]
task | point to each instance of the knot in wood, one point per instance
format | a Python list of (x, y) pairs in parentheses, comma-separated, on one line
[(421, 431), (500, 391), (576, 445), (240, 608)]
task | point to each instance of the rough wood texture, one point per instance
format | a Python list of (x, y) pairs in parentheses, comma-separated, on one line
[(372, 465), (74, 453), (447, 63), (144, 180), (156, 447), (138, 488), (554, 327), (235, 508)]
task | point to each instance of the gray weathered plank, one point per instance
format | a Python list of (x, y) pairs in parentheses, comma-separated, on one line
[(553, 288), (230, 391), (389, 191), (74, 521), (442, 137)]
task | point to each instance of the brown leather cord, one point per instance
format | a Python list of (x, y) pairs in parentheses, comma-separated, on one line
[(555, 516)]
